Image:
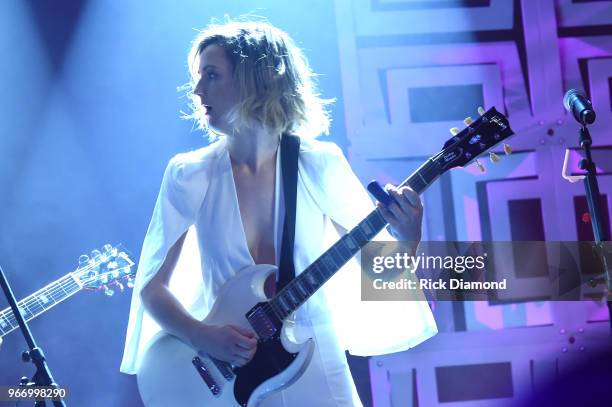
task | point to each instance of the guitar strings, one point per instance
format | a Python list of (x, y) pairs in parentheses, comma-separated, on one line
[(374, 221), (65, 287), (32, 304)]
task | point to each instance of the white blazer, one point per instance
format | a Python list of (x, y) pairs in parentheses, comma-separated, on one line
[(198, 194)]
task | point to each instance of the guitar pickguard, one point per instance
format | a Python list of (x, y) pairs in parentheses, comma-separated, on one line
[(269, 360)]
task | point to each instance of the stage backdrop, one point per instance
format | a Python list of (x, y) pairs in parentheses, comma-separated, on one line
[(89, 116), (411, 70)]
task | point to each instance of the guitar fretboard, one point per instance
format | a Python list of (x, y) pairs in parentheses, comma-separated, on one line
[(39, 302), (294, 294)]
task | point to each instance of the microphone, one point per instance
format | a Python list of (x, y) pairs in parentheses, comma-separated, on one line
[(576, 102)]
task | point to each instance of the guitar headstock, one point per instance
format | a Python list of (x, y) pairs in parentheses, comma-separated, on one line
[(490, 129), (105, 270)]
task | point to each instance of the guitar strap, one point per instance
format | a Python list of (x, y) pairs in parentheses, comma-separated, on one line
[(290, 148)]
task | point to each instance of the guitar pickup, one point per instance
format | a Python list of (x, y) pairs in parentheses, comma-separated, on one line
[(206, 376), (261, 322)]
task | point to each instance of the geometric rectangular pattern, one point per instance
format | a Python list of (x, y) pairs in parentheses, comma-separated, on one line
[(526, 219), (428, 97), (474, 382)]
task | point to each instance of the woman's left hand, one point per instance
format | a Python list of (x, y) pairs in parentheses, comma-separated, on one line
[(405, 216)]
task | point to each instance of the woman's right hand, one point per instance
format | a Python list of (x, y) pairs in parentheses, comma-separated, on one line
[(229, 343)]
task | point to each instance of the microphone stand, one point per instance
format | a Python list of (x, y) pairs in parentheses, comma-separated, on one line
[(42, 377), (592, 195)]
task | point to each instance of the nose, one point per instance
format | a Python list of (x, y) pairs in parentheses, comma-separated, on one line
[(199, 89)]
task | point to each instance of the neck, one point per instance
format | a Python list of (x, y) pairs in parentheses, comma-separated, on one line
[(252, 149)]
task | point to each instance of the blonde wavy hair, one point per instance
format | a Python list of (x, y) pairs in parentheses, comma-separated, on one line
[(276, 86)]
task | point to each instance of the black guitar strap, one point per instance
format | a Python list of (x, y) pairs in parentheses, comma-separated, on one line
[(290, 148)]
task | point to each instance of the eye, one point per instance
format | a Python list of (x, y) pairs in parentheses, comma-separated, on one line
[(211, 75)]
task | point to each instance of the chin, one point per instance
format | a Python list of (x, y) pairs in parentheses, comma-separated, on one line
[(217, 124)]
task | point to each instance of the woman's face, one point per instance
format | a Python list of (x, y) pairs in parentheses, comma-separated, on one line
[(216, 88)]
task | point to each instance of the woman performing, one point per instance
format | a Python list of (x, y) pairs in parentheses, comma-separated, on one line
[(252, 87)]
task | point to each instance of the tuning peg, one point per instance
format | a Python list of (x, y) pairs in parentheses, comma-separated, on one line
[(481, 110), (130, 282), (454, 131), (480, 166), (109, 292), (120, 286), (468, 120), (95, 254), (83, 260), (493, 157), (507, 149), (108, 249)]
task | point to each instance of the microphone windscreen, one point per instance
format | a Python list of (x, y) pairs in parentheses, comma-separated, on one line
[(569, 96)]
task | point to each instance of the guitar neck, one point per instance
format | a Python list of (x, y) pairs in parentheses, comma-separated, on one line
[(294, 294), (39, 302)]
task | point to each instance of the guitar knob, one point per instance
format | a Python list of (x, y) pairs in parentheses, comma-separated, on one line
[(120, 286), (493, 157), (507, 149), (95, 254), (454, 131), (481, 110), (480, 166), (468, 120), (109, 292), (107, 248)]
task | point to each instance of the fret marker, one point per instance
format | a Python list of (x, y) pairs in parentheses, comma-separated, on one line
[(328, 263), (343, 251), (311, 279), (44, 298), (301, 289), (350, 242), (284, 304), (291, 297)]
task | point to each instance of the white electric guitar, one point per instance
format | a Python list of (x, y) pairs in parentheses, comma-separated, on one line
[(173, 374), (104, 270)]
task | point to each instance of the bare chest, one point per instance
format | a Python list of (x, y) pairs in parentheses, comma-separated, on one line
[(256, 200)]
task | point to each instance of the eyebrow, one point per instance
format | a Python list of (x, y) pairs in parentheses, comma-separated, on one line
[(209, 66)]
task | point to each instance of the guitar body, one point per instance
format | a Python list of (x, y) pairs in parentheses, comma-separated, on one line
[(172, 374), (168, 376)]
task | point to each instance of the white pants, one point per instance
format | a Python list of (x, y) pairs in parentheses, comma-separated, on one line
[(327, 381)]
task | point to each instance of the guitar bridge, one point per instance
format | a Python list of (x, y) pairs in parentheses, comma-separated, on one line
[(206, 376), (224, 367)]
